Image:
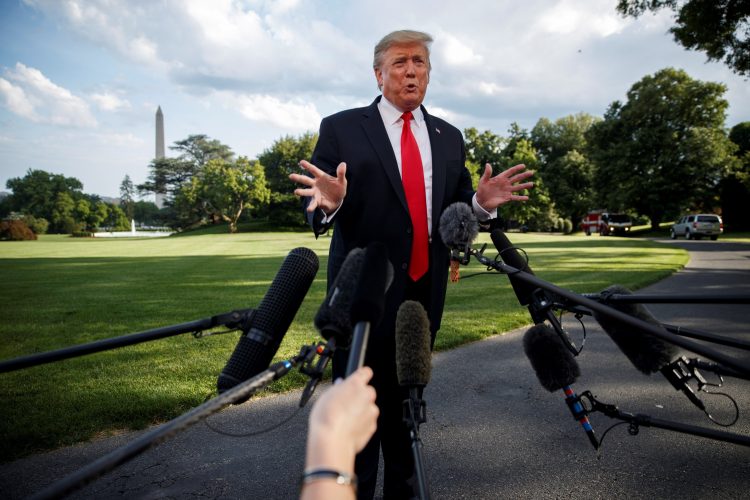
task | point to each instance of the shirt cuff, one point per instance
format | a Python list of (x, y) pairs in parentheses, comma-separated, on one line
[(481, 213), (328, 218)]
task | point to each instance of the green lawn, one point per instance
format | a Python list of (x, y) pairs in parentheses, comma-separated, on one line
[(60, 291)]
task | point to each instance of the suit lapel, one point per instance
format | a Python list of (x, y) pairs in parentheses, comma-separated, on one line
[(438, 169), (372, 124)]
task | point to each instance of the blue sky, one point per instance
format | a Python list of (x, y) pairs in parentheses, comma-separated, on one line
[(80, 81)]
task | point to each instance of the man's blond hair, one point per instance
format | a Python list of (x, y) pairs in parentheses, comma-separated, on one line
[(401, 37)]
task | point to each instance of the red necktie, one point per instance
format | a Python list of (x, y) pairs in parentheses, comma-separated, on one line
[(413, 178)]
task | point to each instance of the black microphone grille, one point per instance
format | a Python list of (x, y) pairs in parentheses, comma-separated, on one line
[(553, 363), (369, 298), (647, 352), (265, 329), (288, 289), (413, 358), (333, 317), (458, 225)]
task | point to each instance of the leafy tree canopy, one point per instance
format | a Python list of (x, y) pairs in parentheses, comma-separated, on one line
[(224, 190), (566, 170), (665, 150), (168, 175), (36, 192), (720, 28), (280, 160)]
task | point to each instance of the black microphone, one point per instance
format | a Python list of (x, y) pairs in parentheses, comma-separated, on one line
[(649, 354), (413, 364), (458, 229), (413, 357), (509, 254), (333, 319), (556, 369), (369, 301), (263, 331)]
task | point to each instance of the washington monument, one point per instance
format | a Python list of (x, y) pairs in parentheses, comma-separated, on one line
[(159, 197)]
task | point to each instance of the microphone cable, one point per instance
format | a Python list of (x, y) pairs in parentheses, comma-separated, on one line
[(271, 428)]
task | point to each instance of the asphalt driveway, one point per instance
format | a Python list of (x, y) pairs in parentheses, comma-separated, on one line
[(492, 430)]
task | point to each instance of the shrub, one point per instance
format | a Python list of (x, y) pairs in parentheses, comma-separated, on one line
[(567, 226), (37, 224), (15, 230)]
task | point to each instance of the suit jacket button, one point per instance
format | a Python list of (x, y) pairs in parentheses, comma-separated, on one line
[(408, 230), (404, 266)]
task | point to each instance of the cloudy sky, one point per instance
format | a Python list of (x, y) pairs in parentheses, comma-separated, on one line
[(80, 80)]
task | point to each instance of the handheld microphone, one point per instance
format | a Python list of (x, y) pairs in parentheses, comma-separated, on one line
[(458, 229), (369, 301), (332, 319), (649, 354), (556, 369), (263, 331)]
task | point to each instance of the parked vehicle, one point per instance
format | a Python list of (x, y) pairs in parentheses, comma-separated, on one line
[(606, 223), (696, 226)]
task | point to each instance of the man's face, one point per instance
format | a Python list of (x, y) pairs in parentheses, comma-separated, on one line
[(404, 74)]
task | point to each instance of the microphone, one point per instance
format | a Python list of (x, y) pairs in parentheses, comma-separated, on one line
[(333, 320), (458, 229), (649, 354), (509, 254), (263, 331), (413, 357), (333, 317), (556, 369), (369, 301), (413, 364)]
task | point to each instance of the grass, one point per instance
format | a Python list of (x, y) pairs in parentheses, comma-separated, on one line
[(59, 291)]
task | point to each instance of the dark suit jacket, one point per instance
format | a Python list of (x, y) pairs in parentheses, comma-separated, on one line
[(375, 208)]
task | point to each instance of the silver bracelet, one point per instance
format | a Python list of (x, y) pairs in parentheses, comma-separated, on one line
[(341, 478)]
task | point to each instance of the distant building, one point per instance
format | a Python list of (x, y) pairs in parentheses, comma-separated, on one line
[(159, 197)]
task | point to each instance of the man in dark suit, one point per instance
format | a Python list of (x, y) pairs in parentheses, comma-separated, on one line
[(379, 174)]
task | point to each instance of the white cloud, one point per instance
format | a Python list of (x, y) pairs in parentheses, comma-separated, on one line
[(31, 95), (294, 115), (107, 101), (569, 17), (16, 100), (248, 71), (120, 139), (454, 52)]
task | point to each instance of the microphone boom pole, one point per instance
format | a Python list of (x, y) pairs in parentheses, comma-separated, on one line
[(119, 456), (231, 320), (531, 279), (646, 421)]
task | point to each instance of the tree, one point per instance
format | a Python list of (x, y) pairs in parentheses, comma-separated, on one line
[(665, 150), (720, 28), (538, 213), (735, 188), (37, 192), (63, 214), (223, 190), (484, 148), (280, 160), (169, 175), (564, 167), (127, 196), (147, 213), (98, 213), (198, 150), (116, 219)]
